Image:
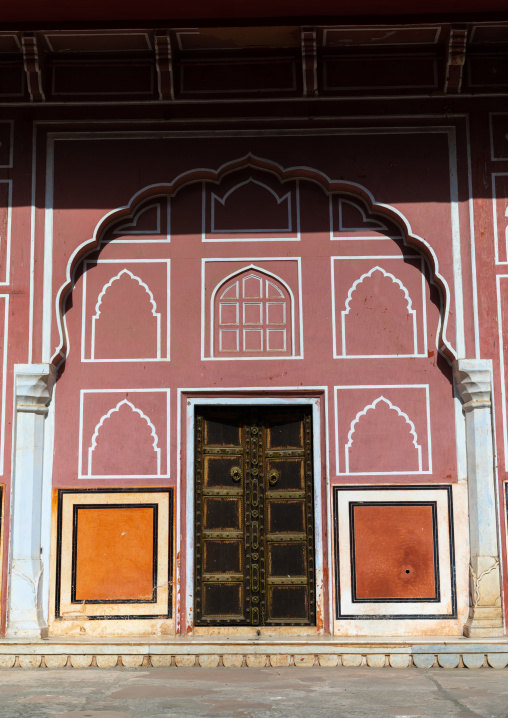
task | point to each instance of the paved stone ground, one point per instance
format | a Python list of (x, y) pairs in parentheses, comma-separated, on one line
[(244, 692)]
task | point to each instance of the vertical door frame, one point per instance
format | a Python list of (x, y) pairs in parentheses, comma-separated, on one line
[(185, 573)]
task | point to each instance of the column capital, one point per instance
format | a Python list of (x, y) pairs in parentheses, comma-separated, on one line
[(473, 379), (34, 386)]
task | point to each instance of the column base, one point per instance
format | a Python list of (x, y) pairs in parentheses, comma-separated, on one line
[(489, 624)]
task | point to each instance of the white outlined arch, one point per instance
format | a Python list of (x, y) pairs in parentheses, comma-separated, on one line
[(374, 224), (395, 408), (152, 302), (215, 198), (131, 227), (284, 174), (105, 417), (265, 273), (409, 304)]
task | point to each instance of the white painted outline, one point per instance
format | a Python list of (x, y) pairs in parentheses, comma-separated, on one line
[(96, 93), (184, 578), (7, 239), (275, 331), (82, 394), (245, 268), (409, 304), (15, 37), (335, 237), (423, 329), (381, 387), (10, 163), (245, 235), (493, 157), (215, 198), (98, 312), (360, 58), (123, 228), (482, 84), (252, 304), (350, 29), (230, 60), (236, 332), (222, 323), (362, 413), (85, 314), (482, 26), (276, 304), (108, 33), (114, 410)]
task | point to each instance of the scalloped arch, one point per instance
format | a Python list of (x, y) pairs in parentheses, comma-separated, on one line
[(287, 174)]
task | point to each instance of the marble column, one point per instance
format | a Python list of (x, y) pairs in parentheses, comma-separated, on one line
[(473, 380), (33, 388)]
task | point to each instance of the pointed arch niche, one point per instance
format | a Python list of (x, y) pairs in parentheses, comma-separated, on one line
[(125, 310), (252, 315), (280, 180)]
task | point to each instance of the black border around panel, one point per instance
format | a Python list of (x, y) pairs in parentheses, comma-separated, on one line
[(435, 551), (75, 509), (58, 572), (397, 616)]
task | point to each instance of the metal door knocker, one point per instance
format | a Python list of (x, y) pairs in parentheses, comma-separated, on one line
[(273, 477), (236, 473)]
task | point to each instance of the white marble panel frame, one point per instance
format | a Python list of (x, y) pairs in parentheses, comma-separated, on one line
[(208, 314), (163, 441), (417, 341), (346, 607), (65, 608), (161, 356), (242, 235), (185, 428), (341, 442)]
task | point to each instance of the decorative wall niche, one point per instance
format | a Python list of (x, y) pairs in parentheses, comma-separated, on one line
[(251, 309), (383, 430), (124, 434), (379, 306), (126, 313), (251, 206)]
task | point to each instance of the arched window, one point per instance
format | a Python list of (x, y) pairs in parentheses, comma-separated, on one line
[(252, 316)]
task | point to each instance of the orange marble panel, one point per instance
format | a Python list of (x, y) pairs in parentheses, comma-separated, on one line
[(394, 552), (114, 558)]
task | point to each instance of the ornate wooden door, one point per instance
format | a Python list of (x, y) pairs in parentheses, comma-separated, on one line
[(254, 544)]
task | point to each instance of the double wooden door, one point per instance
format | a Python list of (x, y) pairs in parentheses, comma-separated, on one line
[(254, 517)]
